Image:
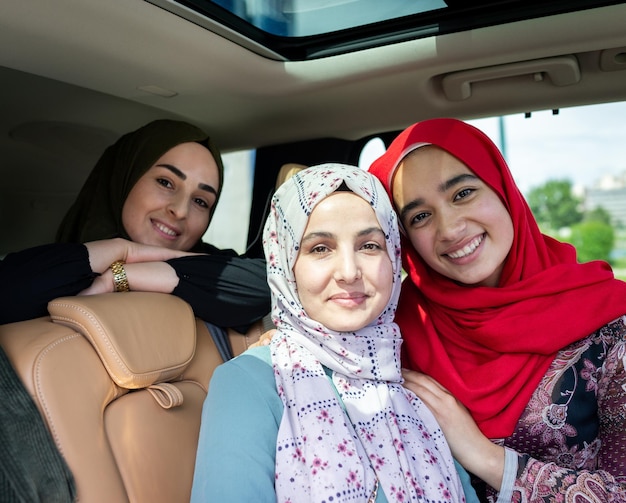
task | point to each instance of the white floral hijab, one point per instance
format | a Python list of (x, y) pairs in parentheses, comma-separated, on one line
[(385, 436)]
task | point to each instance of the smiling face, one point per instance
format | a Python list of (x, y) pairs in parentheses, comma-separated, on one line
[(343, 273), (457, 223), (171, 204)]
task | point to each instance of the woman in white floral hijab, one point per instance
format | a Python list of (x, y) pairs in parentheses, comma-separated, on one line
[(337, 424)]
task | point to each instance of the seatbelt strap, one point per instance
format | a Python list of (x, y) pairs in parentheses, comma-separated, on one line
[(220, 338)]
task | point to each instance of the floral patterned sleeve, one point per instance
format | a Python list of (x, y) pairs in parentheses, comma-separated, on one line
[(573, 432)]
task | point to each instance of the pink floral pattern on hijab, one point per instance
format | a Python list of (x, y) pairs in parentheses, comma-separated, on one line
[(388, 437)]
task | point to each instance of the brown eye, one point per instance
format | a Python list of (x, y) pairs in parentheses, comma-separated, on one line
[(463, 194), (319, 249), (418, 219), (164, 182), (371, 246), (201, 202)]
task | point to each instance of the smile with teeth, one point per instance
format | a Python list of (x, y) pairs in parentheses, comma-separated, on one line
[(165, 230), (468, 248)]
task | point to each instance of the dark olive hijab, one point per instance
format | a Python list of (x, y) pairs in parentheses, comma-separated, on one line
[(97, 211)]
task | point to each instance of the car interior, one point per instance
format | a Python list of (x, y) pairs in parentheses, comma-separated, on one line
[(120, 384)]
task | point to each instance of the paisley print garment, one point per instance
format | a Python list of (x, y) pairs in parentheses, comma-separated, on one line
[(571, 438)]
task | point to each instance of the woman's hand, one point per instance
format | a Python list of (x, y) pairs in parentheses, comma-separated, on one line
[(137, 252), (102, 284), (265, 338), (142, 277), (145, 266), (469, 446), (106, 251)]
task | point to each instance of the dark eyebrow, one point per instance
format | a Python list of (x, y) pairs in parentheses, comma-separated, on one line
[(183, 176), (443, 187), (455, 181), (327, 235), (371, 230), (314, 235), (174, 170)]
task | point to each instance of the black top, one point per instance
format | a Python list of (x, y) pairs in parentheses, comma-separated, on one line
[(222, 288)]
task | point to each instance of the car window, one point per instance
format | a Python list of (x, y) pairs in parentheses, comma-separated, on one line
[(583, 144), (229, 226)]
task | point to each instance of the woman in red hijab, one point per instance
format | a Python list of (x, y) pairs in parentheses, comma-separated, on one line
[(530, 342)]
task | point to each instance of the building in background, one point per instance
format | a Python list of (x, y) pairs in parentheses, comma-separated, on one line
[(609, 192)]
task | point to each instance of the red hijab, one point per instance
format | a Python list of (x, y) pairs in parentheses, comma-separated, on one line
[(491, 346)]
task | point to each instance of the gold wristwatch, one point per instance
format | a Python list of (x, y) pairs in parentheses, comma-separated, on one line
[(119, 277)]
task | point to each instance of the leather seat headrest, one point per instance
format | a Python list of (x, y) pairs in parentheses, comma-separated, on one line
[(142, 338)]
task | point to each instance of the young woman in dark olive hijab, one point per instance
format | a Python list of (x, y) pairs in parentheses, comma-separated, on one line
[(137, 224)]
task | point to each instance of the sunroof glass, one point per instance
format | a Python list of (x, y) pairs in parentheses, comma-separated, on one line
[(301, 18), (298, 30)]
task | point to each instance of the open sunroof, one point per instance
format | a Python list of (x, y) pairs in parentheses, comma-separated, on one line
[(308, 29)]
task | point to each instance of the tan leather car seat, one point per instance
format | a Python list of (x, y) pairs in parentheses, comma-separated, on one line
[(120, 380)]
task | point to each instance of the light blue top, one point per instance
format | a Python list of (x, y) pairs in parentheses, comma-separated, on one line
[(236, 455)]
